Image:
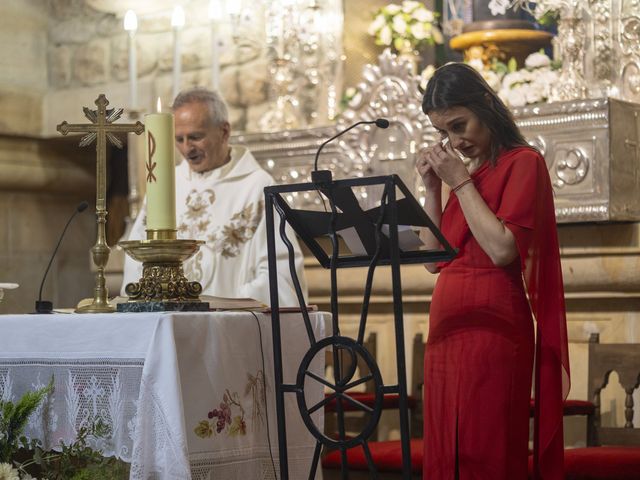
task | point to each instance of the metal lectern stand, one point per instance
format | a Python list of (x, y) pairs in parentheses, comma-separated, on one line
[(377, 229)]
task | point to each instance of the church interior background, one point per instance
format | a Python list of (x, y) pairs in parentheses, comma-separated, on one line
[(288, 85)]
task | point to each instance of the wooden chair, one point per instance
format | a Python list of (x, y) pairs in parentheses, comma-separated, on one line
[(616, 455)]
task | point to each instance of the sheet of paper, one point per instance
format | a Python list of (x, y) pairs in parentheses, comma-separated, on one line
[(407, 239), (352, 240)]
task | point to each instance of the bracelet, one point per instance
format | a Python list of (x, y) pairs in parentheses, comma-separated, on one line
[(458, 187)]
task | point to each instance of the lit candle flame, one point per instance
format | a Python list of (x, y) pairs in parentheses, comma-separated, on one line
[(130, 21), (159, 106), (177, 18), (216, 10)]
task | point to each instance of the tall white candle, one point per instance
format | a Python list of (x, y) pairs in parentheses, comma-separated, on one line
[(177, 22), (234, 9), (131, 25), (215, 16), (160, 170)]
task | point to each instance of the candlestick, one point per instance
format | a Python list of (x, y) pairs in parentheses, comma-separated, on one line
[(131, 25), (177, 22), (160, 168)]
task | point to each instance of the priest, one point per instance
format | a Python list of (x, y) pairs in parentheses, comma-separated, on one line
[(220, 199)]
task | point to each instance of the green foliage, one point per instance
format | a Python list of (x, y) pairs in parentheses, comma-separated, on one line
[(76, 461), (549, 18), (13, 419)]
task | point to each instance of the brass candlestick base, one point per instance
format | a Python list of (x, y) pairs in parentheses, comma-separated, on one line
[(162, 279)]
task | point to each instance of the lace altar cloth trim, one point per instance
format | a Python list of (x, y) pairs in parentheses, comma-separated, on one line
[(262, 466), (86, 392)]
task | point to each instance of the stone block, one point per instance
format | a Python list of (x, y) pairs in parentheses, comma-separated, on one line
[(60, 66), (66, 9), (154, 23), (109, 26), (229, 86), (146, 56), (253, 82), (196, 48), (20, 112), (23, 36), (90, 64), (76, 30)]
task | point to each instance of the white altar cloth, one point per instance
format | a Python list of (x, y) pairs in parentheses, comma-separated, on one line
[(180, 393)]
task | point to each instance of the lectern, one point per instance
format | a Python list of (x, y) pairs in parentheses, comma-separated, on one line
[(378, 235)]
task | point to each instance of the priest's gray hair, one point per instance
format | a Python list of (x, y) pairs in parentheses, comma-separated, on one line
[(218, 112)]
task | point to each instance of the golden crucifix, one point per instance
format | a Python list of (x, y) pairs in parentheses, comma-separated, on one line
[(101, 128)]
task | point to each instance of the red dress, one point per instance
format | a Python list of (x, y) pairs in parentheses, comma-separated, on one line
[(480, 351)]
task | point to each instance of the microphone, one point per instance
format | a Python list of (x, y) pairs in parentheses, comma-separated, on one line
[(321, 176), (45, 306)]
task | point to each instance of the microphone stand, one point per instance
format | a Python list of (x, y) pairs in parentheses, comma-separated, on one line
[(46, 306), (324, 176)]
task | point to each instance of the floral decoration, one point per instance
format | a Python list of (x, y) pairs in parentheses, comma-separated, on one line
[(516, 87), (544, 11), (531, 84), (21, 458), (408, 26), (229, 416)]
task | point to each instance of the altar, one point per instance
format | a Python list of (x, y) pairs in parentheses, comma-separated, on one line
[(182, 395)]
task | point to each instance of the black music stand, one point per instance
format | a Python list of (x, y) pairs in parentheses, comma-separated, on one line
[(377, 230)]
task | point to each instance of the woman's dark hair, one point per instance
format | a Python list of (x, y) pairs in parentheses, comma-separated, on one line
[(458, 84)]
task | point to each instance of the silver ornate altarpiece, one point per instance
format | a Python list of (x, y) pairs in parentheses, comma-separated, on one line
[(592, 147)]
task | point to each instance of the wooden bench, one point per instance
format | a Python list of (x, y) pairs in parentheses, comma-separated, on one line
[(616, 455)]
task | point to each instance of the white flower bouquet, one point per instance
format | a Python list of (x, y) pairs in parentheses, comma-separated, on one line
[(544, 11), (516, 87), (531, 84), (408, 26)]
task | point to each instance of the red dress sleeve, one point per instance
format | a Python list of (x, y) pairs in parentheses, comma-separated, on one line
[(527, 209)]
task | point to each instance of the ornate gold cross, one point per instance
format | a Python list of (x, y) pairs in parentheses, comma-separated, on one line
[(100, 128)]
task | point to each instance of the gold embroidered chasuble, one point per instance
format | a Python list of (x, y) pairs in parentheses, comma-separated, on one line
[(225, 208)]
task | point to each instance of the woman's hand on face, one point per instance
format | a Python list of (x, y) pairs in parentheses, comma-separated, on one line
[(427, 173), (446, 164)]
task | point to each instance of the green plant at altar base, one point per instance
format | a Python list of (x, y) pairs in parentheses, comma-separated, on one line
[(24, 459)]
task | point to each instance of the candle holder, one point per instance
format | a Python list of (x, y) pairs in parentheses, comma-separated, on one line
[(163, 285)]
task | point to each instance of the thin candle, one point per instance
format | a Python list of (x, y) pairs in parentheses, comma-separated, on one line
[(131, 25), (215, 16), (177, 22), (160, 169)]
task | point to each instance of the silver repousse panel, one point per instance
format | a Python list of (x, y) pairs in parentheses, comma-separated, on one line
[(592, 147)]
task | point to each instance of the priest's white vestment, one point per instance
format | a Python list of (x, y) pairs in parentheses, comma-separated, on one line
[(225, 208)]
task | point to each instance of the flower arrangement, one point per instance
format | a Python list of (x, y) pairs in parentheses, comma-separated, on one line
[(544, 11), (531, 84), (21, 458), (516, 87), (406, 27)]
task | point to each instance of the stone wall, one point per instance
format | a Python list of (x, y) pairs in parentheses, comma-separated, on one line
[(88, 55), (40, 182)]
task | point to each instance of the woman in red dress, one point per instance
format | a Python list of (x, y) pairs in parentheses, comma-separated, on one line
[(479, 360)]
